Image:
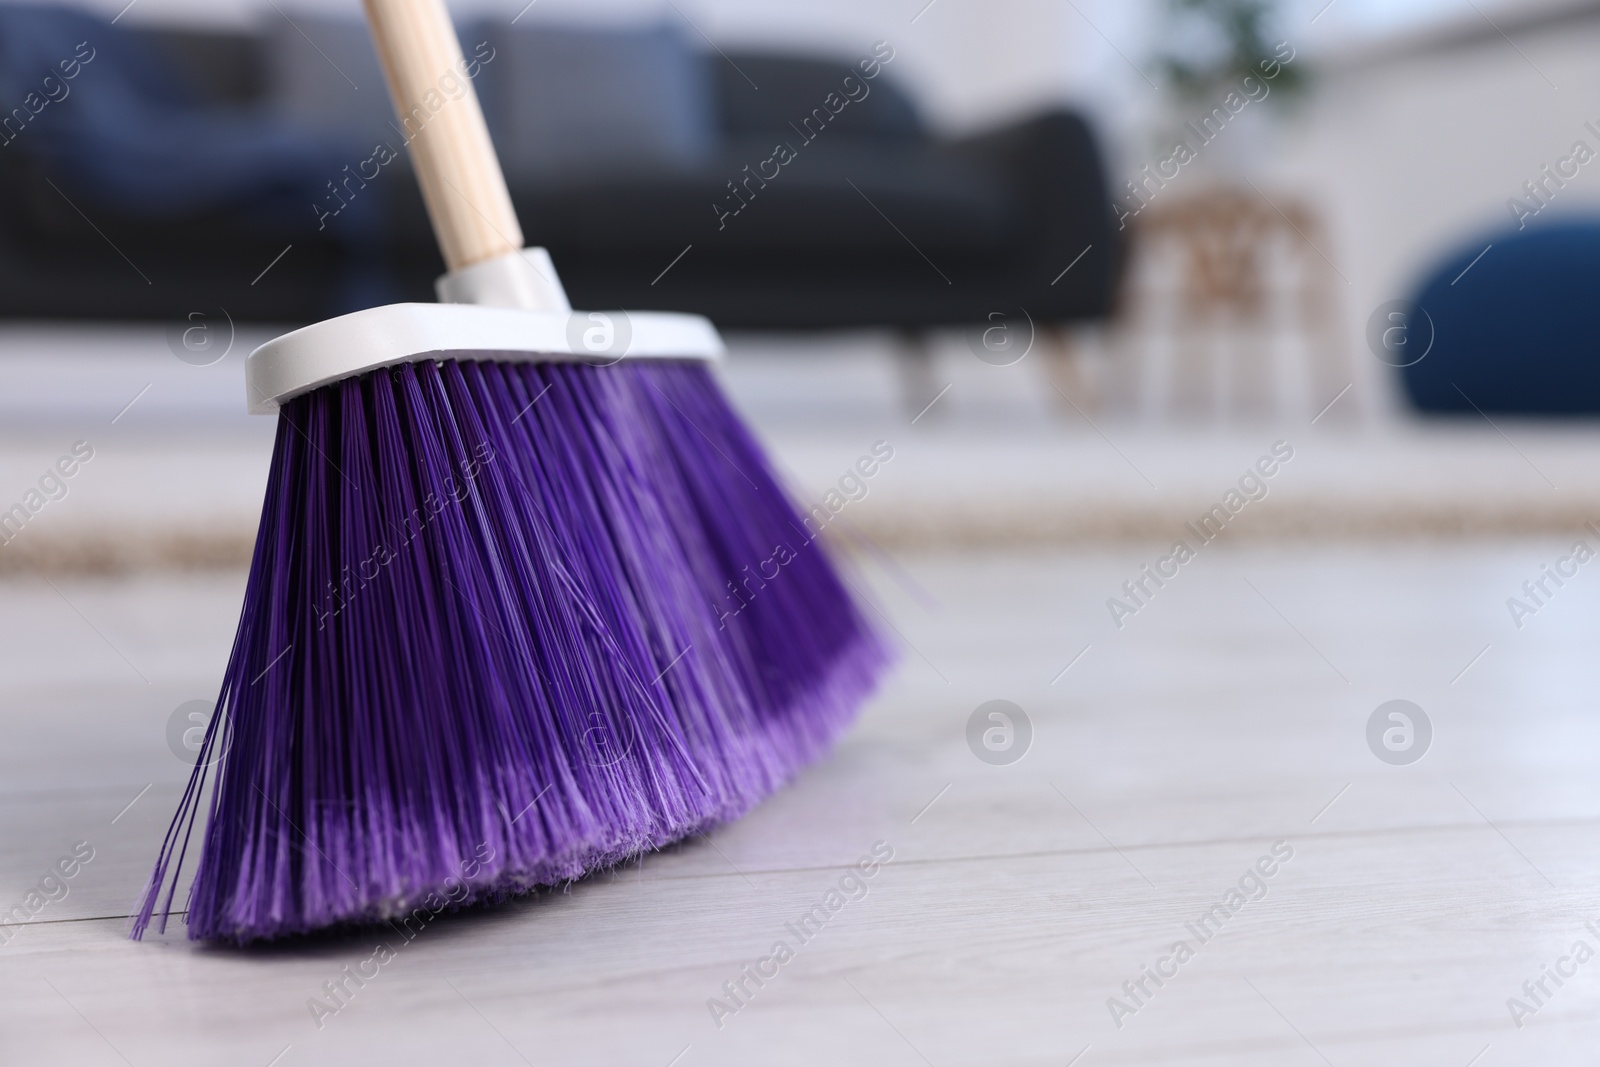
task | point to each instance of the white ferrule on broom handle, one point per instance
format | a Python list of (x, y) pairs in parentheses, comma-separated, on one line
[(438, 111)]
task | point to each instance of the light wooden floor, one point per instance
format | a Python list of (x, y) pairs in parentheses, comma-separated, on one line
[(1228, 715)]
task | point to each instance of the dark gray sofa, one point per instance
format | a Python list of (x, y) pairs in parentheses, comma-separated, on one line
[(873, 220)]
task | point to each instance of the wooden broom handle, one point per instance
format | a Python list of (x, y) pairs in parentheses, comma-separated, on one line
[(439, 115)]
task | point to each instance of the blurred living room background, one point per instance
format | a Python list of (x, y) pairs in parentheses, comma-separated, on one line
[(1083, 254)]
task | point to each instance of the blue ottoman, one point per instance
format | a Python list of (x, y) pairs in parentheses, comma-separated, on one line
[(1517, 334)]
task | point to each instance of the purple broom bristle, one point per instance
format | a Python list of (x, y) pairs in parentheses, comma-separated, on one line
[(506, 623)]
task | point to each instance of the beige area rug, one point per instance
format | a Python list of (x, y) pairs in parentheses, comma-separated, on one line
[(191, 503), (178, 470), (1423, 482)]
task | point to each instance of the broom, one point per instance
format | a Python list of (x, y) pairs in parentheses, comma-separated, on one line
[(518, 609)]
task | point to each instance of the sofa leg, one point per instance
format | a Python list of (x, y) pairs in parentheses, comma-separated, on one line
[(913, 357), (1064, 362)]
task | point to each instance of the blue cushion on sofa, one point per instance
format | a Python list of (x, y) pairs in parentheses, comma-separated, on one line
[(1516, 333), (323, 73), (559, 100), (564, 100)]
